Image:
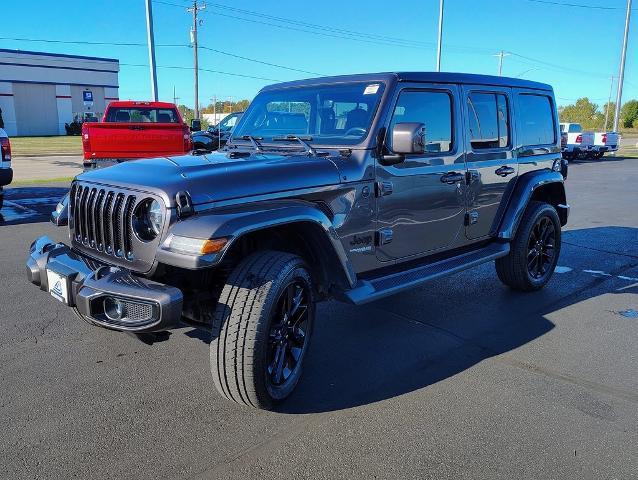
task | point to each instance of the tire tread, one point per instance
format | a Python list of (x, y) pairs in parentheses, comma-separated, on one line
[(238, 321)]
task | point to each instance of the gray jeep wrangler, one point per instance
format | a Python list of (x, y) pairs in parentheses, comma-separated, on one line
[(350, 188)]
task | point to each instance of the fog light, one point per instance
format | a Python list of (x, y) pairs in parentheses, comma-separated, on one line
[(113, 308)]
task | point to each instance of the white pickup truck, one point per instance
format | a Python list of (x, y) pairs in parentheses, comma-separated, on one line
[(574, 142), (604, 142)]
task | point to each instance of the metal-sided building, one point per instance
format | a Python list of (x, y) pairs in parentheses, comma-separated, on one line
[(41, 92)]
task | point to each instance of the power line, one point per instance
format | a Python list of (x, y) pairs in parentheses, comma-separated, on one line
[(179, 67), (559, 67), (323, 27), (257, 61), (87, 42), (324, 31), (132, 44), (576, 5)]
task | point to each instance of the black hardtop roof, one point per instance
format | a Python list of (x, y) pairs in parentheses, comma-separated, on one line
[(430, 77)]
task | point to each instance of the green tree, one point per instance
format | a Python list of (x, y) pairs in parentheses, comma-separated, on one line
[(226, 107), (188, 114), (584, 112), (629, 113), (610, 117)]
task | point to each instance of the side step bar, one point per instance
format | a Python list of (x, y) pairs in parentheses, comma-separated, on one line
[(373, 289)]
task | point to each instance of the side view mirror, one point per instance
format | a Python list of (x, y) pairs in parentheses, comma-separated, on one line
[(196, 125), (407, 137)]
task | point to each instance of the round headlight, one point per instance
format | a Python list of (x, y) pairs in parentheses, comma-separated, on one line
[(155, 216), (147, 220)]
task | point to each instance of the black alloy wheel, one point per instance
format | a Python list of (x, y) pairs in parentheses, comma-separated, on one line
[(541, 252), (534, 250), (287, 335)]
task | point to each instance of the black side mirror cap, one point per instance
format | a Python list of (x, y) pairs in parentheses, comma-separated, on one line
[(392, 159)]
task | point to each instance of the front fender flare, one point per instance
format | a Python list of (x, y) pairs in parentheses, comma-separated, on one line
[(233, 222), (523, 193)]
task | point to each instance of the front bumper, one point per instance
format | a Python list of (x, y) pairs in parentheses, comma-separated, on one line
[(146, 306)]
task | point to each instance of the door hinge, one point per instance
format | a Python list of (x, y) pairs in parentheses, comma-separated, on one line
[(383, 188), (471, 218), (384, 236)]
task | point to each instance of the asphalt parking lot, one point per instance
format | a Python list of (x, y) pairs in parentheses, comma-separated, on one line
[(460, 379)]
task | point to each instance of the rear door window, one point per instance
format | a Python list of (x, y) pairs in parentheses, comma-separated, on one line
[(537, 120), (488, 115)]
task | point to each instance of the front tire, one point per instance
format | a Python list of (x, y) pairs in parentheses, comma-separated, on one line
[(534, 251), (262, 327)]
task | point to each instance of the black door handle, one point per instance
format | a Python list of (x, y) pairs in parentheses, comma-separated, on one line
[(452, 177), (504, 171)]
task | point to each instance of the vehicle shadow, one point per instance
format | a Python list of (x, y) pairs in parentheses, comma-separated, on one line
[(606, 158), (362, 355), (30, 204)]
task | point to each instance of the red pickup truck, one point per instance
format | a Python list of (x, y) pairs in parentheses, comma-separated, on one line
[(131, 130)]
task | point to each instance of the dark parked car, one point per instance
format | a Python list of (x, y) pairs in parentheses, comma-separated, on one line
[(6, 172), (350, 188), (216, 136)]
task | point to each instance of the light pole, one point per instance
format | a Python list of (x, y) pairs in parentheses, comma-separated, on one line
[(438, 47), (621, 74), (611, 88), (151, 49)]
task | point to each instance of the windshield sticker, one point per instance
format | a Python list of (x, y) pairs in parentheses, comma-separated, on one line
[(371, 89)]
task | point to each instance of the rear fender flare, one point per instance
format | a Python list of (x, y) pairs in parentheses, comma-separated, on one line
[(527, 188)]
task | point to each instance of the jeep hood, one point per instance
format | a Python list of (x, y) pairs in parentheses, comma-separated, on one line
[(215, 176)]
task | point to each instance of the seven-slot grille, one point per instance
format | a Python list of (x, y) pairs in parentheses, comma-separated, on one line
[(102, 219)]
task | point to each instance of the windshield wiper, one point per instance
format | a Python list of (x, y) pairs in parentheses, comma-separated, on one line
[(302, 140), (253, 140)]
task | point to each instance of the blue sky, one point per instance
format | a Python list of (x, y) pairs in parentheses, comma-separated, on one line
[(574, 49)]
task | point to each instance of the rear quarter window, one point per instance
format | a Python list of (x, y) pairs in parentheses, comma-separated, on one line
[(536, 119)]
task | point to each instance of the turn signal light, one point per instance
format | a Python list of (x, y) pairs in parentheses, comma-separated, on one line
[(194, 246), (214, 245)]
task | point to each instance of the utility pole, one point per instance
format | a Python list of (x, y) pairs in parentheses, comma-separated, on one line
[(621, 74), (438, 47), (500, 56), (611, 88), (195, 10), (175, 97), (151, 49), (215, 109)]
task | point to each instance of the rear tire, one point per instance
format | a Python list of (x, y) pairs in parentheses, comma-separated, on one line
[(534, 251), (261, 330)]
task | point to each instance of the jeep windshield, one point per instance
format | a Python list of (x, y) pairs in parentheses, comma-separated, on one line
[(338, 114)]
